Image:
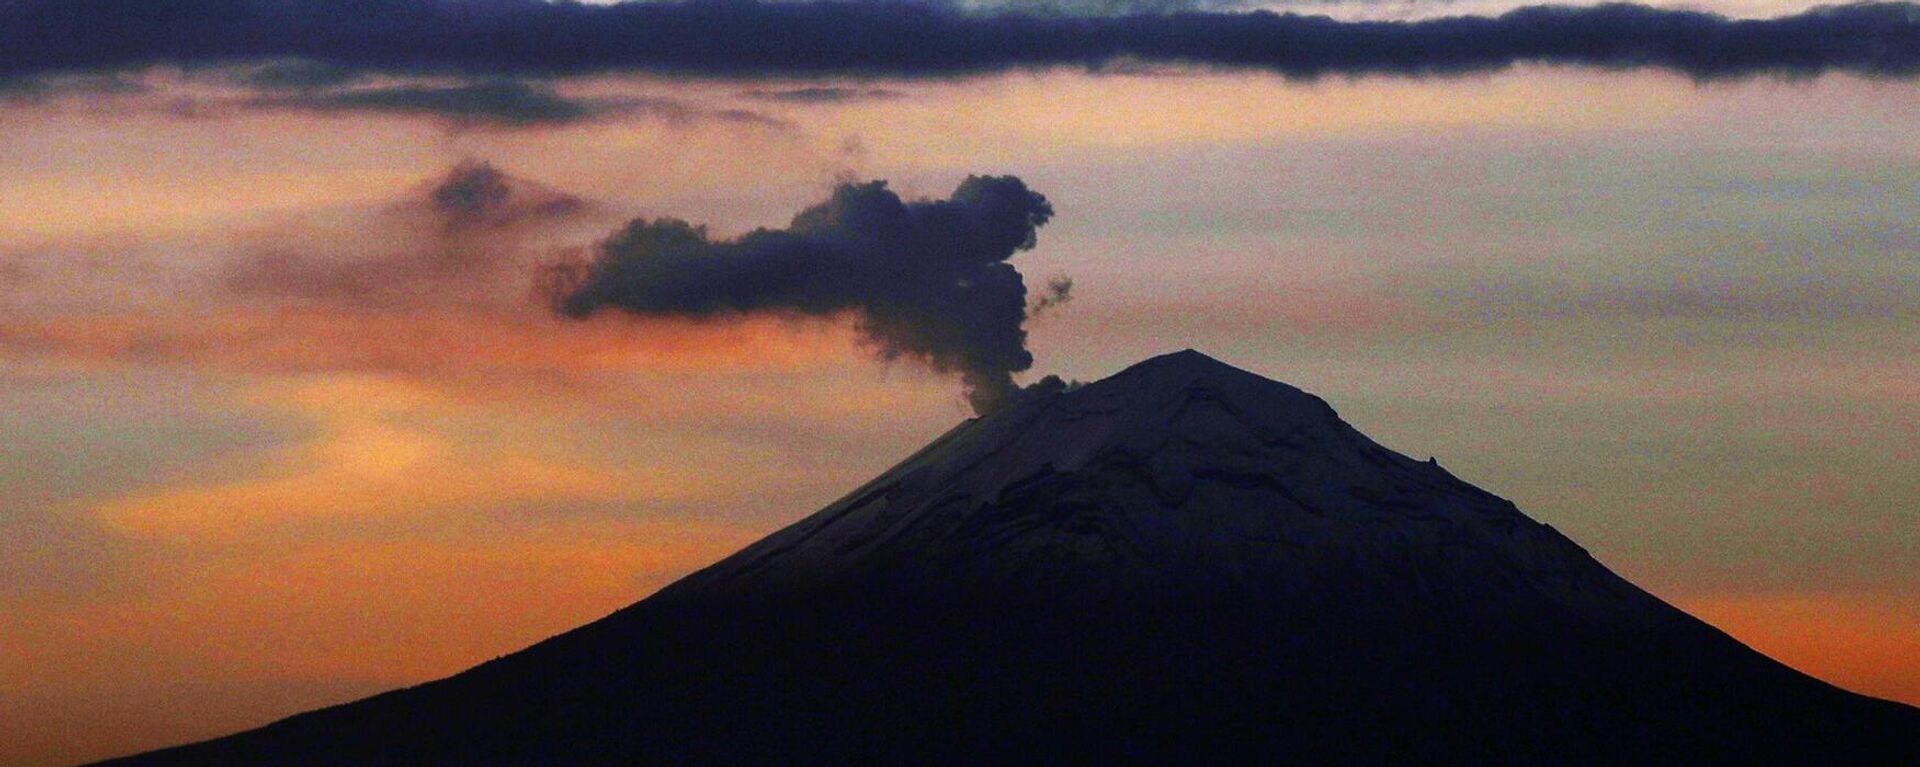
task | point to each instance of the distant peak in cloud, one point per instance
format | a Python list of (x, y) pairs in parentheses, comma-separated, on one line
[(507, 38), (474, 193), (925, 279)]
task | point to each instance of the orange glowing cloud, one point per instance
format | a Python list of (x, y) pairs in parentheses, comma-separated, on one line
[(269, 634), (369, 461), (424, 343)]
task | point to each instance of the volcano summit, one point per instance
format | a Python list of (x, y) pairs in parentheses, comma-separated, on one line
[(1183, 563)]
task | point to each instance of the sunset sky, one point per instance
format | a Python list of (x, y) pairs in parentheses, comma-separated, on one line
[(283, 424)]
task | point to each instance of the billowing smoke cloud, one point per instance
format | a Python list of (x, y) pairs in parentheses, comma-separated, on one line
[(926, 279), (745, 37)]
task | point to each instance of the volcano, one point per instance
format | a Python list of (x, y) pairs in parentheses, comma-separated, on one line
[(1183, 563)]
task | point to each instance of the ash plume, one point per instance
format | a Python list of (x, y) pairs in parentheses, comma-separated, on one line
[(925, 279), (1056, 292)]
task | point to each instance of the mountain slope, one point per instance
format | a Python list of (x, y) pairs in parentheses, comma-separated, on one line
[(1183, 561)]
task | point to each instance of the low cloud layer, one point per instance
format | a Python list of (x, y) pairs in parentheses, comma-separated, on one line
[(926, 279), (510, 37)]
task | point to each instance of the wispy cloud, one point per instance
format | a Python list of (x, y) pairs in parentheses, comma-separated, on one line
[(48, 87), (821, 94), (509, 103), (465, 239), (496, 104)]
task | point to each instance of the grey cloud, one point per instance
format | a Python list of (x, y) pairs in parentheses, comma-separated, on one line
[(926, 279), (294, 75), (34, 89), (501, 103)]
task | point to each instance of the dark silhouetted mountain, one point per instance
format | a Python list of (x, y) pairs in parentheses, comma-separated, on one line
[(1184, 563)]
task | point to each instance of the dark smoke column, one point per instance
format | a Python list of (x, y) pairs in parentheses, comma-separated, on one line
[(927, 279)]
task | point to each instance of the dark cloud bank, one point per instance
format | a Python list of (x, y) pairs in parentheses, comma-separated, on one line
[(926, 279), (745, 37)]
